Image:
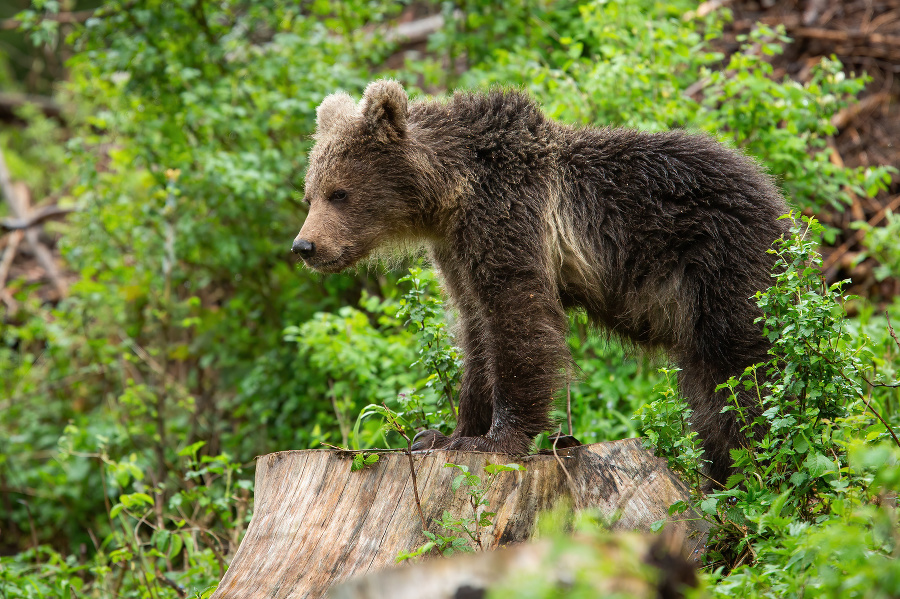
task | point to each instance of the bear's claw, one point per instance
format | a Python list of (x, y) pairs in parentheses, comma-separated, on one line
[(430, 439)]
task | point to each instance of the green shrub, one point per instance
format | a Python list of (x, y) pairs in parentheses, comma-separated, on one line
[(810, 498)]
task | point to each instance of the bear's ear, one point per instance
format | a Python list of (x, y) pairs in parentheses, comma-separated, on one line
[(334, 109), (384, 109)]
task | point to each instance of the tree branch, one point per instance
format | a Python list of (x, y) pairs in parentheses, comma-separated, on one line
[(36, 218), (78, 16)]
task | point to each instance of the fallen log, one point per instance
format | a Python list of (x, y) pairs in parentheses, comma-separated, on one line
[(316, 523), (10, 103), (601, 564)]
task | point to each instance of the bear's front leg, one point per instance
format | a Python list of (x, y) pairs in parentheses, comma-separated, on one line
[(523, 341), (476, 388), (526, 332), (473, 335)]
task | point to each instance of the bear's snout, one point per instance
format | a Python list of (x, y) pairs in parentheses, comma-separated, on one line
[(306, 249)]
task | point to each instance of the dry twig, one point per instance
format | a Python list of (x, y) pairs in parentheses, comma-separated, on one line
[(17, 197), (35, 218), (79, 16), (8, 254), (842, 249)]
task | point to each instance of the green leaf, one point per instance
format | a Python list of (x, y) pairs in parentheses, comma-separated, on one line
[(175, 545), (191, 450), (734, 480), (818, 465), (116, 510), (358, 462), (495, 468), (462, 467)]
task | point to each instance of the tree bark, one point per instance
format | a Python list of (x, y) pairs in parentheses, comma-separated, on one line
[(316, 523)]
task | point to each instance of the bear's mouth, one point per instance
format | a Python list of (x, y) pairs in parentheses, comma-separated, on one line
[(326, 264)]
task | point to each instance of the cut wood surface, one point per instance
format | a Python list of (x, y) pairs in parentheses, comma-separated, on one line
[(316, 523)]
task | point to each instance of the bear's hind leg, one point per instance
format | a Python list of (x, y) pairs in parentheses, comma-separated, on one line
[(720, 431)]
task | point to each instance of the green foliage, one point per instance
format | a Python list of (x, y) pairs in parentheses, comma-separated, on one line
[(787, 124), (363, 460), (391, 422), (810, 389), (883, 245), (423, 312), (42, 142), (40, 572), (463, 532), (809, 392), (352, 363), (475, 490), (184, 151), (431, 380), (153, 548), (665, 425), (848, 550), (362, 361), (807, 501)]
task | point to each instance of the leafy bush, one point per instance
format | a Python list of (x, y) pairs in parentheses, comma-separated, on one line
[(807, 500), (153, 547), (462, 532)]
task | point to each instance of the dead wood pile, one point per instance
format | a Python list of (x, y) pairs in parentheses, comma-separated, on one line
[(865, 36)]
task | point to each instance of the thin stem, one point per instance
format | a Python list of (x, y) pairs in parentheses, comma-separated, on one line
[(344, 426), (448, 392), (868, 401), (572, 487), (412, 468), (891, 328)]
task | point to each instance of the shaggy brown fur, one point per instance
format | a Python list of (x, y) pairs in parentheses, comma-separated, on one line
[(660, 237)]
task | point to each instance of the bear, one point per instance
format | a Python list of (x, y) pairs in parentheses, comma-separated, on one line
[(662, 240)]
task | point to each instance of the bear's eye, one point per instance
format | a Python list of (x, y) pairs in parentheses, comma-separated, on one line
[(338, 195), (306, 200)]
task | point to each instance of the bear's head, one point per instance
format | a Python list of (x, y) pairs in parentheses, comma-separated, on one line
[(362, 186)]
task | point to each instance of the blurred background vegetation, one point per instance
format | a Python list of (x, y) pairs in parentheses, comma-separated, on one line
[(172, 337)]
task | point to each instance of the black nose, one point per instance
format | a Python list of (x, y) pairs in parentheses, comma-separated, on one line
[(306, 249)]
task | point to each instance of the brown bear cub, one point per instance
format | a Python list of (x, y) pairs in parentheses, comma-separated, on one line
[(661, 238)]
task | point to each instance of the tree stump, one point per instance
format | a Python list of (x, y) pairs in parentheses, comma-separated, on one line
[(316, 523)]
